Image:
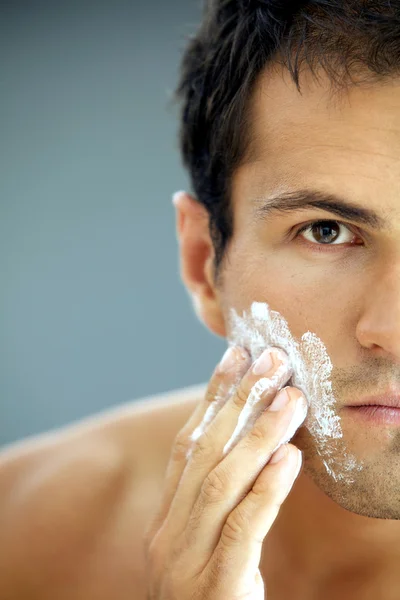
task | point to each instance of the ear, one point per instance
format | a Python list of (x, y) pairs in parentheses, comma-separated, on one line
[(196, 261)]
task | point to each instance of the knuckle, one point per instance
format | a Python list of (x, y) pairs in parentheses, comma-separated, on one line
[(214, 386), (214, 487), (259, 491), (204, 447), (257, 433), (234, 528), (240, 397), (180, 447)]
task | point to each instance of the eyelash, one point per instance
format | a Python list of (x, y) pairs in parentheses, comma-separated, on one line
[(320, 246)]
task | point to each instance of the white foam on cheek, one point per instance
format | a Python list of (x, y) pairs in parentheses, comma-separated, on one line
[(311, 366)]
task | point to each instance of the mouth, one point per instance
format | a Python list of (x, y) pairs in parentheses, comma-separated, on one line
[(376, 410)]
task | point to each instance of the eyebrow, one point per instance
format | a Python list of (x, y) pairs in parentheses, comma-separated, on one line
[(308, 198)]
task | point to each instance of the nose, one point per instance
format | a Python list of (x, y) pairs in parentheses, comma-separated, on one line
[(378, 328)]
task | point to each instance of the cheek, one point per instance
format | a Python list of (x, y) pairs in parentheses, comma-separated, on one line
[(310, 298)]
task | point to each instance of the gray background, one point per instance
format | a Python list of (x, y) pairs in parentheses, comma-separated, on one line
[(93, 313)]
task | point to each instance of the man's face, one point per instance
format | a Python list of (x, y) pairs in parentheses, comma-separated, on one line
[(339, 280)]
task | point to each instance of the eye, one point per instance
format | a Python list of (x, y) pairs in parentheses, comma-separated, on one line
[(327, 233)]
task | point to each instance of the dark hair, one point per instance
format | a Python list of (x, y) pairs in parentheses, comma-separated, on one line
[(235, 41)]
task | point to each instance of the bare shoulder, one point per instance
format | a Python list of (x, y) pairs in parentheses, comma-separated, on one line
[(149, 425), (111, 439), (74, 501)]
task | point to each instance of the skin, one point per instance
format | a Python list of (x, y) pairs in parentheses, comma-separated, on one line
[(74, 504), (216, 509), (348, 294)]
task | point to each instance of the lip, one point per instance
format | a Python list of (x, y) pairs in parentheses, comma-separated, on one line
[(378, 410), (386, 399)]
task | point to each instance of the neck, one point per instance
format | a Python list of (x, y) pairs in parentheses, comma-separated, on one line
[(319, 540)]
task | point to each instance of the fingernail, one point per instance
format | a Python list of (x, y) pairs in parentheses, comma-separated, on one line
[(280, 401), (278, 455), (299, 463), (228, 360), (264, 363)]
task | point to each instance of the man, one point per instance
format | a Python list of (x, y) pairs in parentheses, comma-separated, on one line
[(296, 100)]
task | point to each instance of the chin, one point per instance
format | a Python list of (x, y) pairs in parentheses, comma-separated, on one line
[(372, 491)]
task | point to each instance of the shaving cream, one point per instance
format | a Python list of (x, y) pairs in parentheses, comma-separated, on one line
[(309, 370)]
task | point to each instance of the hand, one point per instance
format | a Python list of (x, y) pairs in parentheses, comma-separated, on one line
[(223, 492)]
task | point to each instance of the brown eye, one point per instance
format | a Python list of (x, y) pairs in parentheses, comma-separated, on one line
[(326, 233)]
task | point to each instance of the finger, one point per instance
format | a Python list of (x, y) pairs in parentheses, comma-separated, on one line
[(234, 477), (241, 541), (253, 392), (226, 376)]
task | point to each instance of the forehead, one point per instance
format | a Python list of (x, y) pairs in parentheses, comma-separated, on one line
[(282, 116), (347, 143)]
